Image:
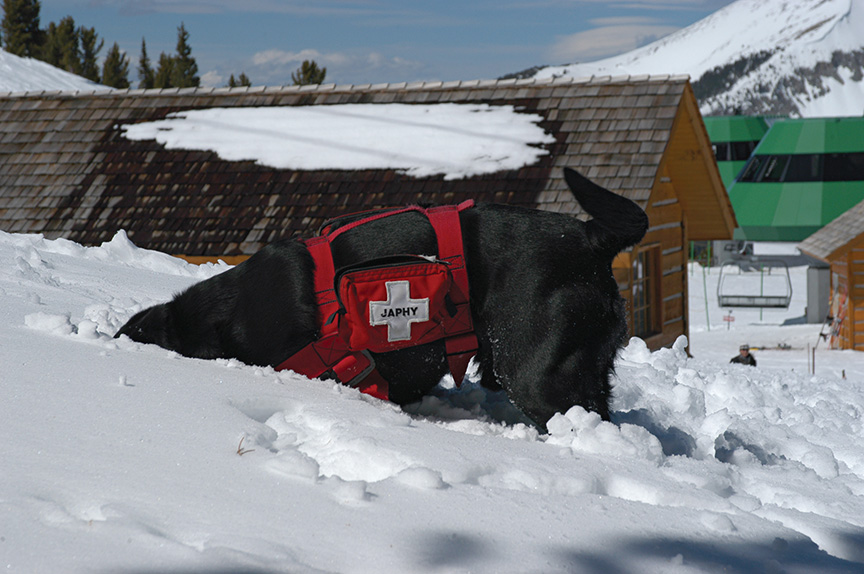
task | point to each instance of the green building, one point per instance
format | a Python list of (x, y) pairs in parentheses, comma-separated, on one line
[(802, 175), (734, 138)]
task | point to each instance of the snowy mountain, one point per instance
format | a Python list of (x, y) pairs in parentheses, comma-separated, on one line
[(803, 58), (29, 75)]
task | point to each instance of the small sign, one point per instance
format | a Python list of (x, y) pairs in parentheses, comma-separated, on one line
[(728, 319)]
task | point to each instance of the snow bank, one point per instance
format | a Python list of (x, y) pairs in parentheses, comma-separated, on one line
[(457, 140), (30, 75), (127, 457)]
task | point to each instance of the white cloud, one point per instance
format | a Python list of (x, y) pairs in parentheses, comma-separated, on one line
[(274, 66), (612, 21), (606, 41), (661, 4), (374, 9), (275, 57), (212, 79)]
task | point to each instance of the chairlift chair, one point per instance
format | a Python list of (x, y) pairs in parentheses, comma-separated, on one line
[(763, 284)]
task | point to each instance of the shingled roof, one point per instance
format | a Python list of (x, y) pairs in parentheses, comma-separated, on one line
[(67, 170), (841, 234)]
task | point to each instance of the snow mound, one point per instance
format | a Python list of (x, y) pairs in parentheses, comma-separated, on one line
[(128, 457), (30, 75)]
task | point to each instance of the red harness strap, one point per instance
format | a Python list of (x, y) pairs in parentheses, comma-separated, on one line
[(460, 348), (330, 352)]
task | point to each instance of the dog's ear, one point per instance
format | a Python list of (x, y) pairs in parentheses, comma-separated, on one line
[(154, 325)]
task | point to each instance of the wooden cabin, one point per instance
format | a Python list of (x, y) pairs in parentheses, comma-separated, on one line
[(67, 170), (841, 245)]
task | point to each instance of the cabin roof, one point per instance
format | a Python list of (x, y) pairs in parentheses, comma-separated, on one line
[(69, 171), (839, 236)]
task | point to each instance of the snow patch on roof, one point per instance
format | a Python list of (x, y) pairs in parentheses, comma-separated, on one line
[(456, 140), (30, 75)]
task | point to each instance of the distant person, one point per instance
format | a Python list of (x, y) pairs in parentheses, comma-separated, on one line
[(744, 357)]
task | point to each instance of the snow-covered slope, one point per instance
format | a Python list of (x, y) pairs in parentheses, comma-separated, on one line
[(29, 75), (759, 57), (122, 457)]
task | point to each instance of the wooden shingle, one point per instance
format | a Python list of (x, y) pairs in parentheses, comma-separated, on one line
[(68, 147), (842, 234)]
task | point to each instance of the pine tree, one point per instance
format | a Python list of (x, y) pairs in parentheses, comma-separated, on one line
[(20, 28), (115, 69), (50, 51), (185, 69), (309, 73), (242, 80), (146, 75), (165, 72), (61, 48), (89, 50)]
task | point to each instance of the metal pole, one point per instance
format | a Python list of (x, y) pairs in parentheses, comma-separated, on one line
[(761, 287), (692, 251), (705, 291), (814, 361)]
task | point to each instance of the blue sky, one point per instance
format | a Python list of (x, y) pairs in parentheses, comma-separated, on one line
[(373, 41)]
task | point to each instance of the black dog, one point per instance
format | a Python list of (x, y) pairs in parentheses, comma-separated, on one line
[(546, 309)]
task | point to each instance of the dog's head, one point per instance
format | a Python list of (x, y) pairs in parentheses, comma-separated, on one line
[(154, 325), (163, 325)]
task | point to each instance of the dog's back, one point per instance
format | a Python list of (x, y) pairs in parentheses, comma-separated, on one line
[(546, 308)]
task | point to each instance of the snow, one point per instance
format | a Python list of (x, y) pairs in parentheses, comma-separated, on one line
[(801, 35), (127, 457), (709, 43), (775, 248), (457, 140), (832, 98), (30, 75)]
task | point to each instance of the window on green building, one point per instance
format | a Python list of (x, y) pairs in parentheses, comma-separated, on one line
[(804, 167), (734, 151)]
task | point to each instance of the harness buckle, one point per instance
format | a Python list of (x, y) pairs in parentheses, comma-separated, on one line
[(353, 368)]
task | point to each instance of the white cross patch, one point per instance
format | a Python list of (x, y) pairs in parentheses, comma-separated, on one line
[(398, 311)]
